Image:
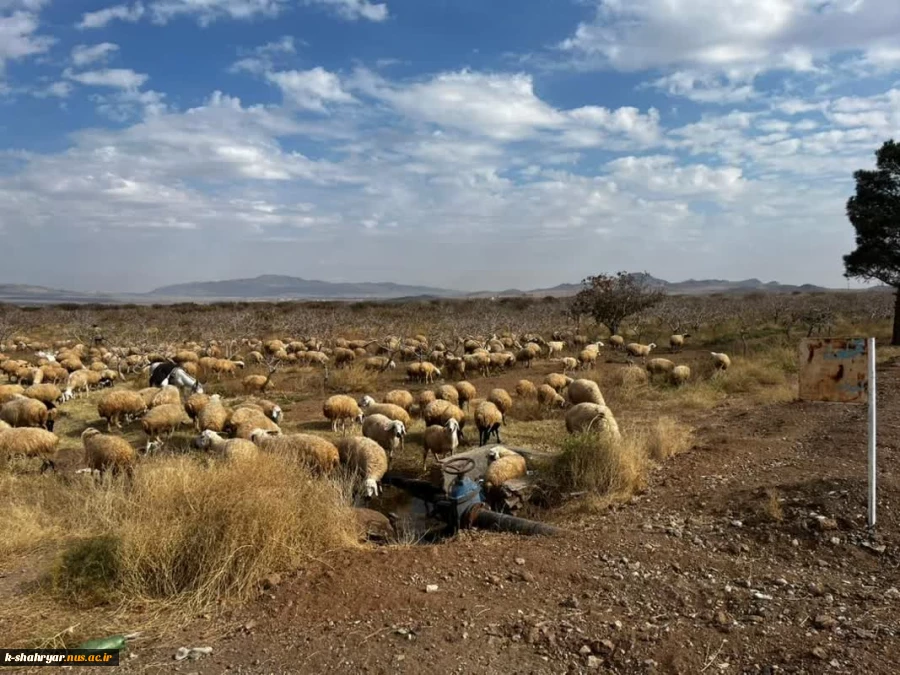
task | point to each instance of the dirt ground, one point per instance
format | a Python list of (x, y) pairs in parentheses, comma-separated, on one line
[(748, 554)]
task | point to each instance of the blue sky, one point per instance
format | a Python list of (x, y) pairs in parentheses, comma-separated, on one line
[(458, 143)]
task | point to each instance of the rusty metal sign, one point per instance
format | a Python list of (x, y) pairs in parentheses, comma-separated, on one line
[(834, 369)]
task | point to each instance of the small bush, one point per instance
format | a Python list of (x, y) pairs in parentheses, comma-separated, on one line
[(355, 379), (667, 438), (528, 410), (599, 465), (88, 569)]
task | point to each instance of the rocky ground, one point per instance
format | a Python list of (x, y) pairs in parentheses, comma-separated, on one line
[(748, 554)]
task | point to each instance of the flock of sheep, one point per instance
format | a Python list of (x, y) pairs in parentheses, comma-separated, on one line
[(37, 387)]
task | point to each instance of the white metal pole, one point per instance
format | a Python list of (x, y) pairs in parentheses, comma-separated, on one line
[(872, 430)]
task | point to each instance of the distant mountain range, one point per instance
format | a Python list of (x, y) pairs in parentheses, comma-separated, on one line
[(276, 287)]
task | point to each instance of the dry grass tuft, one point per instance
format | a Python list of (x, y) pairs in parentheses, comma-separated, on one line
[(355, 379), (598, 465), (772, 506), (667, 438), (528, 410)]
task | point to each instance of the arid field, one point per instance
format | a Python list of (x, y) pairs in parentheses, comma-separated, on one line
[(723, 529)]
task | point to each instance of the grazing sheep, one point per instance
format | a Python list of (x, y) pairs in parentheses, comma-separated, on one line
[(78, 382), (447, 392), (636, 349), (343, 357), (426, 396), (588, 358), (104, 452), (592, 417), (257, 384), (366, 458), (503, 465), (488, 419), (379, 363), (558, 381), (400, 397), (526, 389), (167, 395), (680, 375), (389, 410), (585, 391), (29, 442), (230, 449), (118, 403), (547, 396), (568, 363), (721, 361), (339, 409), (10, 391), (617, 341), (467, 392), (456, 366), (48, 394), (440, 439), (26, 412), (388, 433), (163, 419), (676, 342), (256, 423), (214, 415), (501, 398), (318, 454), (193, 406), (659, 366), (225, 367), (555, 347), (440, 412), (272, 410)]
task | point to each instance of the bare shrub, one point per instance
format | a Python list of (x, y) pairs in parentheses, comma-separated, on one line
[(667, 438), (355, 379)]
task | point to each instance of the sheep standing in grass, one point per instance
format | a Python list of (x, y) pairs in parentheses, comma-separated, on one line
[(103, 452), (214, 415), (163, 420), (117, 404), (526, 389), (193, 406), (340, 409), (318, 454), (29, 442), (660, 366), (48, 394), (388, 433), (379, 363), (617, 341), (167, 395), (555, 347), (394, 412), (547, 396), (366, 458), (592, 417), (585, 391), (488, 419), (401, 398), (467, 392), (440, 412), (680, 375), (244, 419), (568, 363), (676, 342), (440, 439), (721, 361), (22, 411), (558, 381), (231, 449), (447, 392), (636, 349), (10, 391), (501, 398)]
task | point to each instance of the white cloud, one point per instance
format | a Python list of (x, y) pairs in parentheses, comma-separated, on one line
[(83, 55), (103, 17), (707, 87), (310, 89), (118, 78), (18, 27), (355, 9), (207, 11), (728, 34), (662, 175), (54, 90)]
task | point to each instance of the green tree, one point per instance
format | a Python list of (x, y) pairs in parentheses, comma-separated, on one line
[(610, 299), (874, 212)]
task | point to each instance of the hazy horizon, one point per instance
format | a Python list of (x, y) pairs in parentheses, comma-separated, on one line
[(462, 145)]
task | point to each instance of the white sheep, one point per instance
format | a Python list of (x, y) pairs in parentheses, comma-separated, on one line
[(318, 454), (637, 349), (503, 465), (440, 439), (585, 391), (721, 361), (388, 433), (592, 417), (676, 342), (232, 449), (366, 458), (660, 366), (680, 375), (340, 409)]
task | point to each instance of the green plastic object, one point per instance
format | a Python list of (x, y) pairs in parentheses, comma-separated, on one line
[(112, 642)]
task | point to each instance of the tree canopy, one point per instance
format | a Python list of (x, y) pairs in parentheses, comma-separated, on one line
[(610, 299)]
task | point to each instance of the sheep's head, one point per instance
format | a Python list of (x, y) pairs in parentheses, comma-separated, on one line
[(277, 414), (366, 401), (152, 447), (204, 440), (391, 364), (90, 432), (493, 454), (372, 488), (399, 429)]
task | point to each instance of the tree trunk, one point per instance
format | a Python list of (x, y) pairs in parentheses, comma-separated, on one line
[(895, 338)]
